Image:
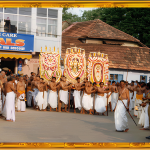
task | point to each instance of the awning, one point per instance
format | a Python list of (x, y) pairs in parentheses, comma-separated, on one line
[(15, 55)]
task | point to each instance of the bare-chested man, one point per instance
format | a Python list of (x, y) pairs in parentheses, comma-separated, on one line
[(77, 95), (114, 95), (52, 100), (2, 80), (132, 95), (10, 99), (21, 99), (138, 100), (34, 88), (87, 101), (109, 88), (65, 86), (121, 120), (41, 98), (29, 91), (100, 100)]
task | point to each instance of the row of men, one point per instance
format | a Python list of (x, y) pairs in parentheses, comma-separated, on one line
[(37, 89), (84, 101)]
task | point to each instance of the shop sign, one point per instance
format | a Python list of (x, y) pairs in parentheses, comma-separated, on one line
[(16, 42)]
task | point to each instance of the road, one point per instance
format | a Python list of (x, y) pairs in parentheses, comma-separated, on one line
[(39, 126)]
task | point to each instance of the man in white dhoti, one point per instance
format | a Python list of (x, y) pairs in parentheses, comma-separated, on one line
[(100, 100), (34, 88), (87, 101), (121, 120), (52, 100), (109, 88), (0, 97), (77, 95), (140, 90), (10, 99), (29, 92), (21, 106), (4, 81), (64, 86), (144, 118), (114, 95), (41, 98)]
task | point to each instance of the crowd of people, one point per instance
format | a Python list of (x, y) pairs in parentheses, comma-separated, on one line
[(19, 92)]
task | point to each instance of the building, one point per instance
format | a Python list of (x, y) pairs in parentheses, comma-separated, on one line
[(129, 59), (44, 25)]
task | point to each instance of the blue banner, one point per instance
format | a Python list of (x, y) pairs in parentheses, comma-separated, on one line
[(20, 66), (16, 42)]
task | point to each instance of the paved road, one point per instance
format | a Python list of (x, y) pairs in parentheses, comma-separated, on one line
[(36, 126)]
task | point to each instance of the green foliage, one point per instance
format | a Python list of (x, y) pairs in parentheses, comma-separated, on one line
[(133, 21), (70, 17)]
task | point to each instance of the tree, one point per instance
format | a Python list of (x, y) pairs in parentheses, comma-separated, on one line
[(69, 16), (133, 21)]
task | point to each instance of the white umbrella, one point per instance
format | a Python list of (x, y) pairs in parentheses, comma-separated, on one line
[(5, 69)]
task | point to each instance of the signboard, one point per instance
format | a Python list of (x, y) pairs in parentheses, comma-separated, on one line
[(16, 42), (20, 66)]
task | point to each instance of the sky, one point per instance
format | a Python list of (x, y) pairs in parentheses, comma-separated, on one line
[(78, 11)]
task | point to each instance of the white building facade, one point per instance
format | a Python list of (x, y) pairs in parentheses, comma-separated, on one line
[(44, 23)]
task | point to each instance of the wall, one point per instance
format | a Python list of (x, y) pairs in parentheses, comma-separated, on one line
[(32, 65), (47, 41), (130, 44), (39, 42), (94, 41), (132, 75)]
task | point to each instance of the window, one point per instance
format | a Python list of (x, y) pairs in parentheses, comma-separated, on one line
[(1, 22), (42, 12), (41, 26), (24, 25), (52, 13), (52, 28), (24, 21), (1, 9), (116, 77), (10, 10), (143, 78), (10, 23), (25, 11), (111, 77), (46, 22)]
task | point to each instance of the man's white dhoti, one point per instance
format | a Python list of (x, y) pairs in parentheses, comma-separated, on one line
[(113, 100), (0, 101), (63, 96), (87, 102), (130, 105), (21, 103), (0, 106), (29, 98), (10, 106), (138, 102), (121, 120), (4, 105), (52, 100), (105, 98), (100, 104), (41, 102), (34, 94), (77, 99), (142, 117), (146, 122)]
